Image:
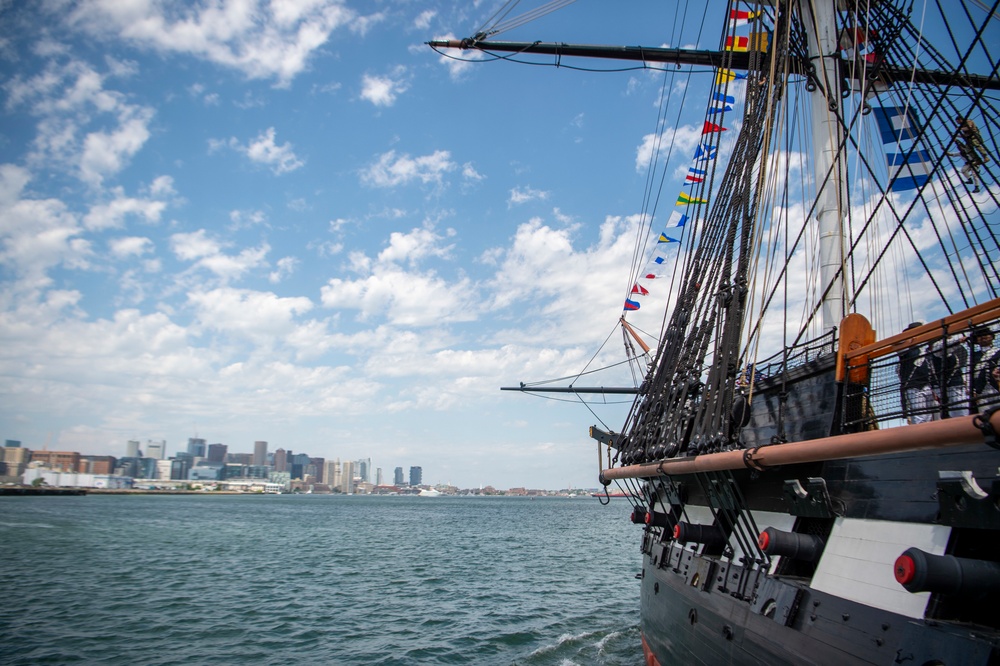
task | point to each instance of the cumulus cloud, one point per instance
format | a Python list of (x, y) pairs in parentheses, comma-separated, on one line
[(207, 253), (263, 150), (390, 169), (250, 313), (130, 246), (262, 39), (520, 195), (70, 101), (113, 213), (36, 234), (383, 90), (414, 246)]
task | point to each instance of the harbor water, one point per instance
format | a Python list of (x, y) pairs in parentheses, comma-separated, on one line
[(318, 579)]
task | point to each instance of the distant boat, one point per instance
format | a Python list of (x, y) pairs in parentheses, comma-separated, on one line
[(429, 492), (619, 495)]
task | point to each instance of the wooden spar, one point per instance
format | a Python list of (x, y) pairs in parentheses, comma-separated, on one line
[(966, 320), (958, 431), (704, 58), (635, 336)]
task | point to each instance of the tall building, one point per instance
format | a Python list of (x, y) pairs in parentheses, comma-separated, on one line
[(364, 469), (217, 453), (397, 477), (132, 448), (378, 476), (196, 447), (416, 476), (331, 473), (260, 453), (347, 477), (156, 449), (280, 461)]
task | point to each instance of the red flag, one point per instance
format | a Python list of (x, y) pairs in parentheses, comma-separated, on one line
[(712, 127)]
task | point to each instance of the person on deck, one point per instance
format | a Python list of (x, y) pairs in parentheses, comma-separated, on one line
[(951, 385), (915, 379), (985, 369)]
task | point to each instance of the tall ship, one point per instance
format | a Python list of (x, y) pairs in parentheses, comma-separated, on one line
[(812, 450)]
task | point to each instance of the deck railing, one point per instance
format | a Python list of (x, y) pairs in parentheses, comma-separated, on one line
[(955, 354)]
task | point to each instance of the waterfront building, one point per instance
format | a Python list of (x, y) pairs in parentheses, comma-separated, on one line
[(56, 479), (378, 476), (397, 477), (156, 448), (207, 471), (217, 453), (260, 453), (163, 468), (196, 447), (97, 465), (363, 467), (63, 461), (416, 476), (13, 461)]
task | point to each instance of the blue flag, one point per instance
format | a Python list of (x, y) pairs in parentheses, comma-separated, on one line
[(896, 123)]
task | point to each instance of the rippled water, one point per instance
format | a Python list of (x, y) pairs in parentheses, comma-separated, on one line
[(316, 579)]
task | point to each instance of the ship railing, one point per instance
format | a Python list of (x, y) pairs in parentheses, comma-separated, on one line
[(795, 356), (950, 365)]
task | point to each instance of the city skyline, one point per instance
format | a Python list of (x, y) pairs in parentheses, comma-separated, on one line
[(309, 227)]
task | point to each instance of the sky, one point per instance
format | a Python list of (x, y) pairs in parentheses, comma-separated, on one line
[(294, 222)]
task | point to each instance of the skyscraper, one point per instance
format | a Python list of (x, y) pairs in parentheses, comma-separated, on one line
[(156, 448), (196, 447), (347, 477), (260, 453), (132, 448), (280, 461), (331, 473), (217, 452), (378, 476), (397, 476), (416, 476)]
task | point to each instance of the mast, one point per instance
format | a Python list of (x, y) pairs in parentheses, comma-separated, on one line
[(820, 22)]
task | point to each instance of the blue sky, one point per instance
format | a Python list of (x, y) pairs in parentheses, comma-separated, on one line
[(295, 222)]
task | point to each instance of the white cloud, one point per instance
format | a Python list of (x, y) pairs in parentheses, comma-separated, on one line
[(403, 298), (254, 314), (260, 38), (390, 170), (423, 20), (130, 246), (206, 253), (286, 266), (520, 195), (414, 246), (383, 90), (263, 150), (113, 213), (36, 234)]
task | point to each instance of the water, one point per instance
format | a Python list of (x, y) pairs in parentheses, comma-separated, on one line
[(316, 579)]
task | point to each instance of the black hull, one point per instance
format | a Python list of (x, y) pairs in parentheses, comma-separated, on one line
[(683, 624), (702, 607)]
